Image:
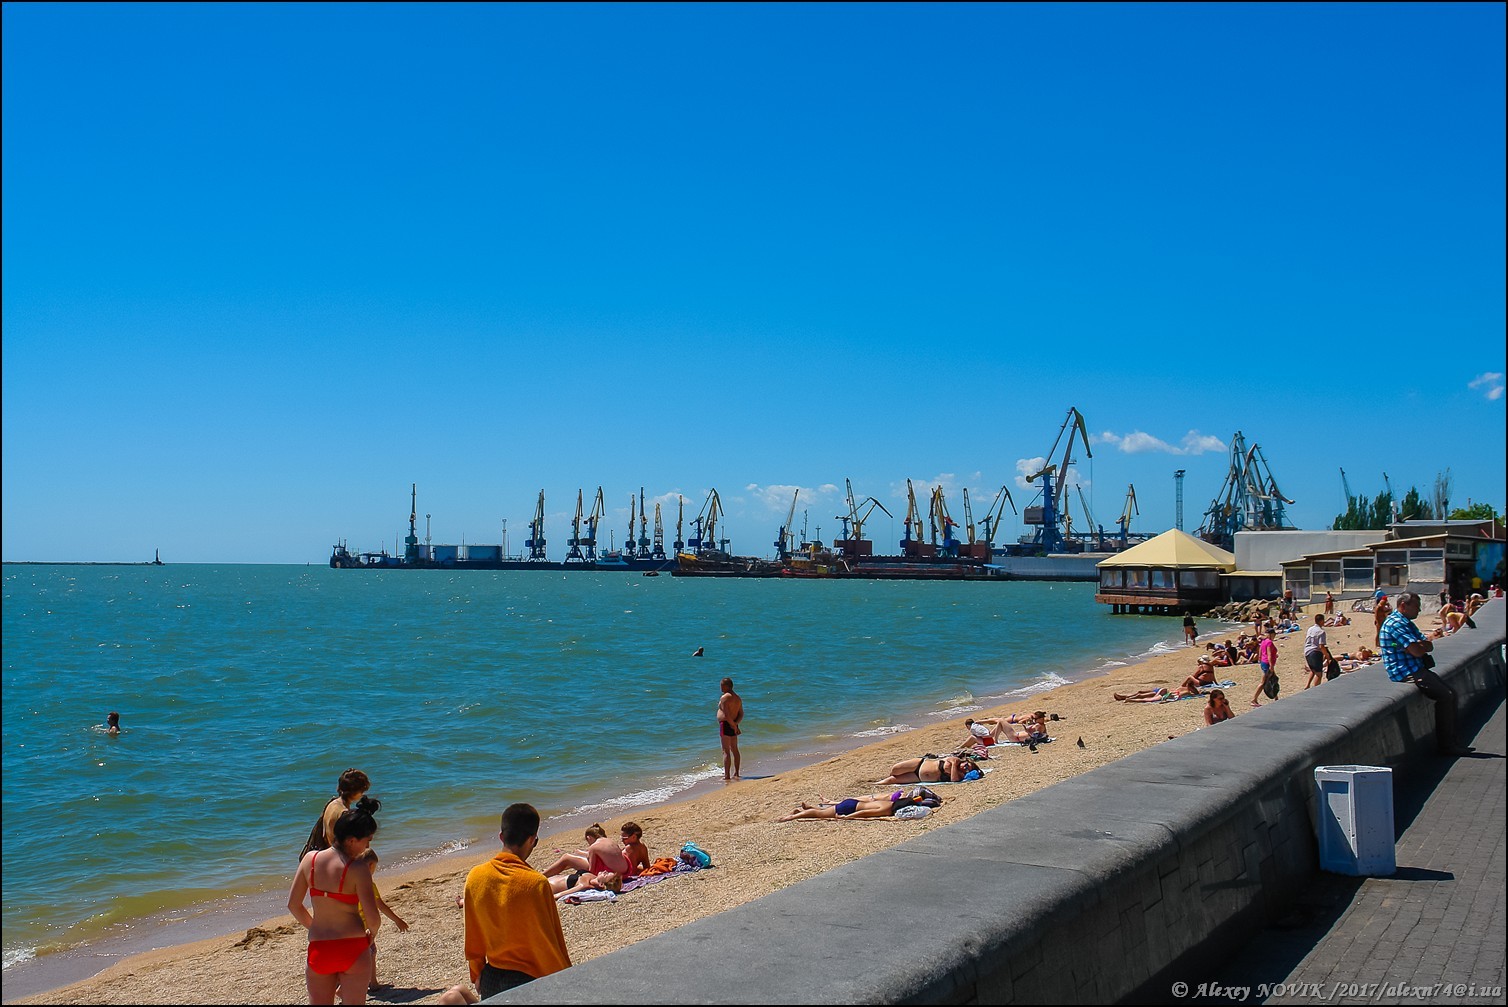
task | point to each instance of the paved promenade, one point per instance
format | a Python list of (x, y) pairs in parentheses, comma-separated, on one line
[(1432, 933)]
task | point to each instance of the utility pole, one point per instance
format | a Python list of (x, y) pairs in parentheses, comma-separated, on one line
[(1178, 481)]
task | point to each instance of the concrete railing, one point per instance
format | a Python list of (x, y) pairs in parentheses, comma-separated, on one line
[(1090, 890)]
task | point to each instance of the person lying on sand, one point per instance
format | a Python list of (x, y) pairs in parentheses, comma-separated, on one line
[(563, 885), (929, 769), (868, 806), (1158, 695)]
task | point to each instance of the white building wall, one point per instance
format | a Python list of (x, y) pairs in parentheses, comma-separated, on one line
[(1268, 550)]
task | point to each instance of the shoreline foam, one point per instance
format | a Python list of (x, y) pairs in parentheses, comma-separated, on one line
[(754, 854)]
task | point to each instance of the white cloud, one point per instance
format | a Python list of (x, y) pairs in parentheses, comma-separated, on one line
[(1491, 381), (1140, 442), (776, 498)]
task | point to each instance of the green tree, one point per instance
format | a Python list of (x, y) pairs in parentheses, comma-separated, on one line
[(1414, 506), (1475, 512), (1382, 510)]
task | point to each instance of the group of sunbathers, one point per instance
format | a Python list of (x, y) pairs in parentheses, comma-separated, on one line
[(961, 766), (604, 865)]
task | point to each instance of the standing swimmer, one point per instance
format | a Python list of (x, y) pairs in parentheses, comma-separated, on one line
[(730, 714), (112, 723)]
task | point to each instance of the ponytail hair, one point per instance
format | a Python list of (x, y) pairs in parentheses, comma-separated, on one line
[(357, 822)]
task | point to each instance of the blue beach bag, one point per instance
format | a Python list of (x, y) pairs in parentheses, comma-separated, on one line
[(692, 853)]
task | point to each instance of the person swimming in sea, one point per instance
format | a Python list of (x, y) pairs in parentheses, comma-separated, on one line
[(112, 722)]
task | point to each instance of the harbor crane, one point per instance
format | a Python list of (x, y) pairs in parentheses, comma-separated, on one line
[(1392, 500), (911, 544), (643, 552), (942, 523), (991, 519), (411, 544), (1048, 516), (535, 543), (592, 521), (659, 545), (704, 525), (1248, 500), (680, 518), (1125, 519), (786, 536), (853, 543), (573, 544), (628, 540), (1089, 516)]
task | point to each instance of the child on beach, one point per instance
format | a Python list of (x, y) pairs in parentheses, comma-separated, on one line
[(369, 859), (632, 838)]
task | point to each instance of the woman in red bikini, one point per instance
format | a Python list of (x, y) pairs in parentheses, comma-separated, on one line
[(345, 917)]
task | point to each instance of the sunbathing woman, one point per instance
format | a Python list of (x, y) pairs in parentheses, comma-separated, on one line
[(927, 769), (868, 806), (1158, 695), (564, 885), (1218, 708), (602, 856)]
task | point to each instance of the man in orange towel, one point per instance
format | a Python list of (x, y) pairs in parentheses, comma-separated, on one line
[(513, 933)]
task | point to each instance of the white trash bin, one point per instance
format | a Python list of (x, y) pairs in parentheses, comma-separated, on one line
[(1356, 820)]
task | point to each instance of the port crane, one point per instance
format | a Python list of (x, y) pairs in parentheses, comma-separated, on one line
[(411, 543), (643, 551), (942, 522), (659, 546), (1089, 516), (1248, 500), (680, 517), (1051, 513), (704, 526), (573, 544), (1125, 519), (535, 543), (592, 521), (911, 546), (991, 519), (786, 536), (852, 543)]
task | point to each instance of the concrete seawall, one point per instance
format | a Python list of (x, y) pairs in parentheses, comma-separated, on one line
[(1105, 886)]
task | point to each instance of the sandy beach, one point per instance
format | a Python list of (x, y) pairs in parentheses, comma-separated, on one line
[(753, 855)]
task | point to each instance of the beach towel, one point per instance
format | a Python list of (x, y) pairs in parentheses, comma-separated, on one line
[(649, 879), (1019, 744), (593, 895)]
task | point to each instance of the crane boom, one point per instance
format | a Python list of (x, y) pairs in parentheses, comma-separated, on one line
[(786, 534)]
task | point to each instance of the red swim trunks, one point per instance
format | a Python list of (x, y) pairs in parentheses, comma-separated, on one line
[(332, 957)]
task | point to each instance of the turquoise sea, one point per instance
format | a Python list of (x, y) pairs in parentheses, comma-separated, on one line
[(245, 690)]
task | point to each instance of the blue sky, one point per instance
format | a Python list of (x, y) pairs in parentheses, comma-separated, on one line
[(266, 266)]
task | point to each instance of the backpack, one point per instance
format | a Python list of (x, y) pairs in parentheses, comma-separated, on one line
[(694, 854), (1332, 670), (1270, 686)]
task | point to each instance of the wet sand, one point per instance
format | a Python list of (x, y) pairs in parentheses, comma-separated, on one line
[(753, 855)]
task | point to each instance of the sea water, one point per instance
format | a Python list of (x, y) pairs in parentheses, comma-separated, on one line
[(244, 691)]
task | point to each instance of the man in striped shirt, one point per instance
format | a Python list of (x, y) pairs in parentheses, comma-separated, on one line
[(1404, 652)]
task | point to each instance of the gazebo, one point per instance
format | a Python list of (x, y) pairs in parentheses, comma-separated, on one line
[(1164, 575)]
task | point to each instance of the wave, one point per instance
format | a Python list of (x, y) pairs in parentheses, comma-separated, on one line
[(888, 729), (954, 711), (1046, 683), (639, 798), (15, 956)]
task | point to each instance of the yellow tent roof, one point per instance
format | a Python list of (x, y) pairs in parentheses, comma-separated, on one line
[(1174, 548)]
